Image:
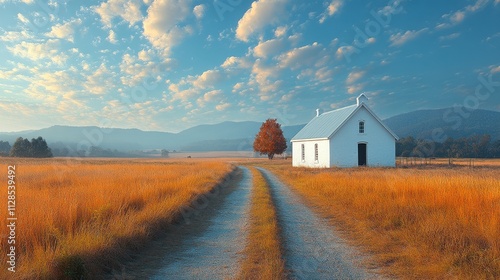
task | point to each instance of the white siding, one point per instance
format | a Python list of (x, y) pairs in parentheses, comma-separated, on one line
[(381, 145), (323, 154)]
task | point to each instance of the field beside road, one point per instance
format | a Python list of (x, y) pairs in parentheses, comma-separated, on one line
[(83, 217), (425, 222), (94, 217)]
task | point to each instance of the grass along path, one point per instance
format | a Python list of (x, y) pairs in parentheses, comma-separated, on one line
[(312, 250), (209, 247), (263, 252), (441, 223), (83, 218)]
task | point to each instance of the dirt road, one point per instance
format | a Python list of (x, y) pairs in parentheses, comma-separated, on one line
[(209, 247), (312, 249)]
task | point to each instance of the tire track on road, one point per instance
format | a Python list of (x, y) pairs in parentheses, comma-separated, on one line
[(312, 250)]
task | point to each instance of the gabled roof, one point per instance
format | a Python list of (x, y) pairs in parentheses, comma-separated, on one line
[(327, 124)]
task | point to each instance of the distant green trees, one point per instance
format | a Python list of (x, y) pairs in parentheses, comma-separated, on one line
[(37, 148), (4, 148), (477, 146), (164, 153)]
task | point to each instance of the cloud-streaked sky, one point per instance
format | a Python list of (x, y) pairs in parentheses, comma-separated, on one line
[(171, 64)]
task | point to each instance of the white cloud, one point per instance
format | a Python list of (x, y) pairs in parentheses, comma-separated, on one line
[(345, 51), (457, 17), (281, 31), (39, 51), (222, 106), (354, 76), (64, 30), (449, 37), (308, 55), (400, 38), (238, 62), (112, 37), (22, 18), (129, 10), (261, 14), (354, 88), (100, 81), (324, 75), (332, 9), (161, 24), (135, 70), (268, 48), (14, 36), (212, 95), (495, 69), (199, 11), (208, 79), (237, 87)]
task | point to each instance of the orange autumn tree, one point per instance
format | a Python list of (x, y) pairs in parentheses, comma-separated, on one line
[(270, 140)]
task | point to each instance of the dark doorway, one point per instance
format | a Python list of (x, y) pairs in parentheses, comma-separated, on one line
[(361, 154)]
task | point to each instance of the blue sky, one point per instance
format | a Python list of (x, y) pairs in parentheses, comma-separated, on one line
[(170, 64)]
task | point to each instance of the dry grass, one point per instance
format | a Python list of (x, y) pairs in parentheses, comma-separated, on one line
[(422, 223), (84, 217), (263, 249)]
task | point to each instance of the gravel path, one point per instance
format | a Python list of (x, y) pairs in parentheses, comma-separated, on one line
[(207, 248), (311, 249)]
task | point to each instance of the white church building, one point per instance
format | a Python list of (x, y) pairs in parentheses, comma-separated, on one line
[(346, 137)]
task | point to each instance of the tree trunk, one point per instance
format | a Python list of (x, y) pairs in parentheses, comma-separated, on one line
[(270, 156)]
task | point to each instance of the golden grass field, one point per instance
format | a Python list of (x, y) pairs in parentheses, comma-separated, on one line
[(92, 213), (263, 252), (414, 222), (417, 223)]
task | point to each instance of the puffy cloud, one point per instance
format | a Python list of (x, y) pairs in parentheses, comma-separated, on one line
[(112, 37), (199, 11), (100, 82), (332, 9), (237, 62), (457, 17), (129, 10), (495, 69), (161, 24), (268, 48), (39, 51), (449, 37), (281, 31), (138, 71), (14, 36), (324, 75), (210, 96), (23, 19), (354, 76), (345, 51), (261, 14), (64, 30), (354, 88), (308, 55), (208, 79), (400, 38), (222, 106)]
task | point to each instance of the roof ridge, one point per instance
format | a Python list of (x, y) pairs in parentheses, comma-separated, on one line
[(336, 110)]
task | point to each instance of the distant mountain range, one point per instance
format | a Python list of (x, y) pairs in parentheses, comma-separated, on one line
[(234, 136), (454, 123)]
